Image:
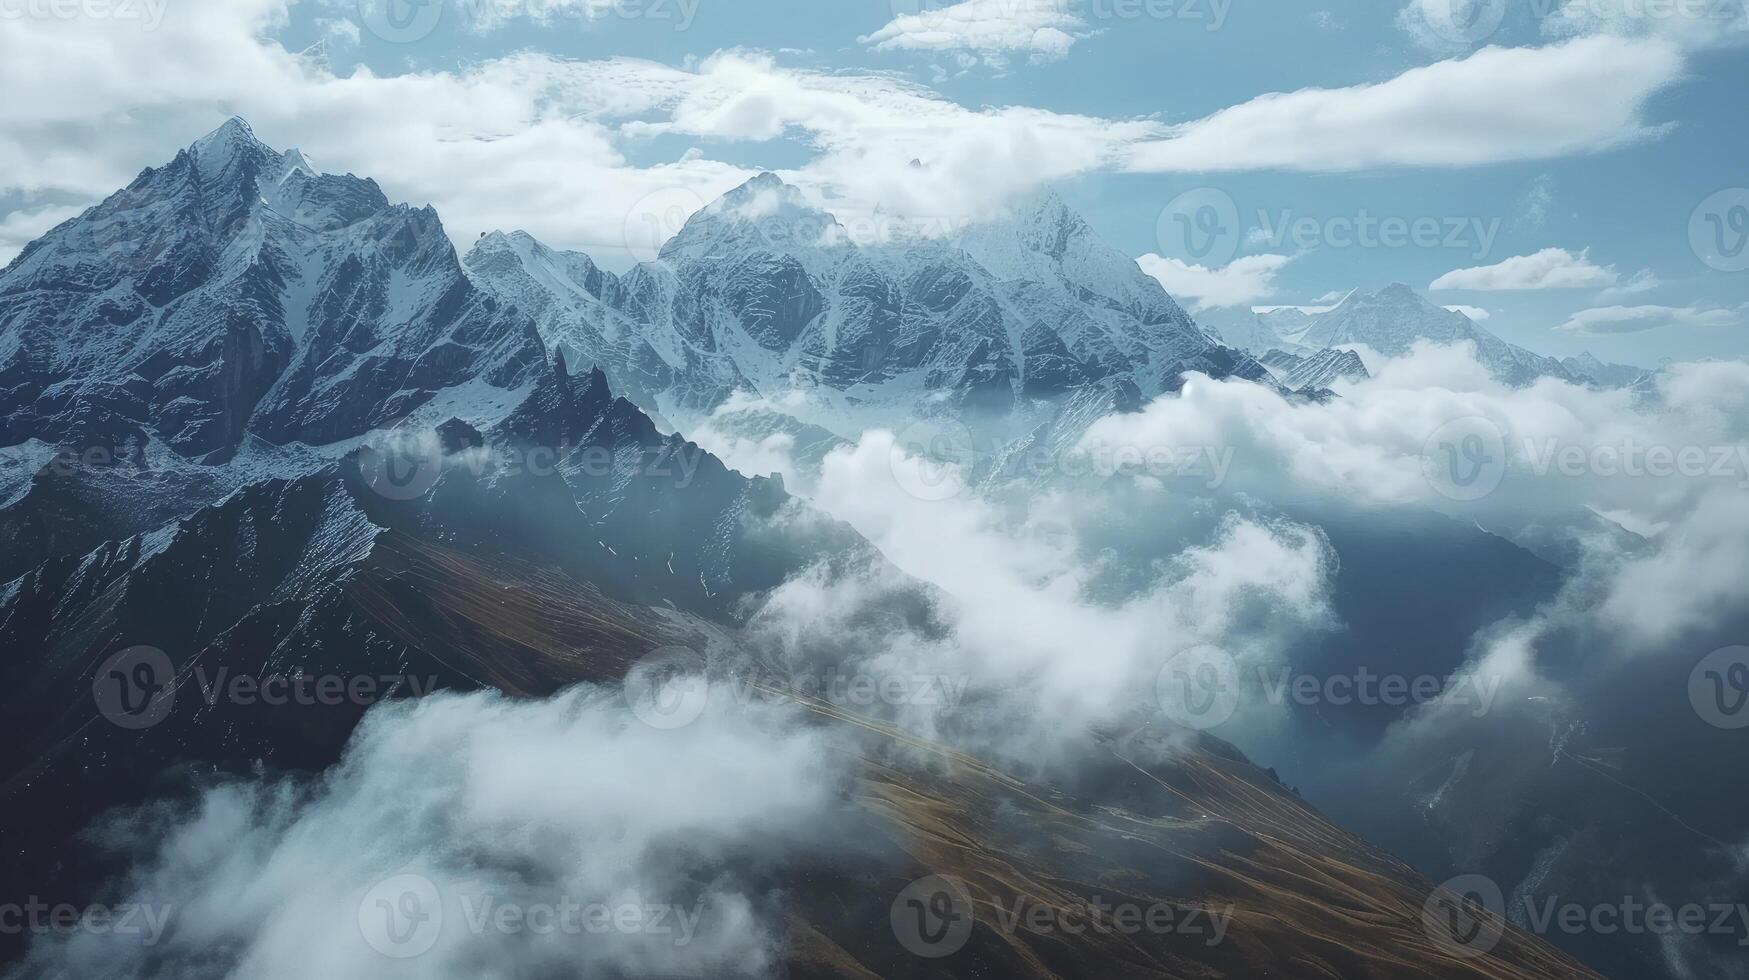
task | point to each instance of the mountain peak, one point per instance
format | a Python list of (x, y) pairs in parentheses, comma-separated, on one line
[(762, 194), (1399, 292), (762, 212), (233, 152), (1398, 296), (762, 180), (235, 127), (232, 137)]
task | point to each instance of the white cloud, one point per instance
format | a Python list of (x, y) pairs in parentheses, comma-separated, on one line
[(545, 143), (1046, 29), (339, 31), (1590, 94), (1608, 320), (525, 141), (1238, 283), (1551, 268), (497, 802), (24, 226), (1016, 588), (1643, 281), (1370, 444), (1700, 574)]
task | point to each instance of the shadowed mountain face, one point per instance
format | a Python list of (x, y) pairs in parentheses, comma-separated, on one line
[(231, 329), (764, 293), (557, 547)]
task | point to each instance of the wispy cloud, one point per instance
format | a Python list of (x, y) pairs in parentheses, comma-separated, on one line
[(1590, 94), (1043, 29), (1608, 320), (1551, 268), (1240, 282)]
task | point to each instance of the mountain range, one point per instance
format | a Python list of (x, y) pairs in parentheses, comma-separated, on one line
[(306, 438), (760, 292)]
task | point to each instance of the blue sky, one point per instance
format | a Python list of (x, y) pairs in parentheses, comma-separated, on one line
[(1543, 162)]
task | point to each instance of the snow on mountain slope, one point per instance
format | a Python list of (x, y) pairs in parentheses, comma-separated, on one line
[(236, 291), (763, 293), (1324, 368), (1602, 373), (1392, 319)]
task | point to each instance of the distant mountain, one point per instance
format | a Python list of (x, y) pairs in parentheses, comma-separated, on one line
[(1602, 373), (1324, 368), (761, 292), (1391, 320)]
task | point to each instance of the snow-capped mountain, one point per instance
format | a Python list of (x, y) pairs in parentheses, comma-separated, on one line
[(237, 291), (763, 293), (1324, 368), (1602, 373), (1390, 320)]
